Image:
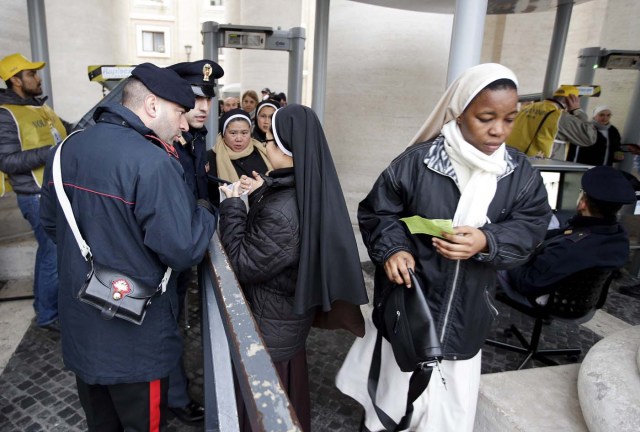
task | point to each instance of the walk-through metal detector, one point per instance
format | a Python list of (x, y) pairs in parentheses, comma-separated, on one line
[(593, 58), (252, 37)]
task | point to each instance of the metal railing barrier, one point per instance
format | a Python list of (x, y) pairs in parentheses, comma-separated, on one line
[(232, 343)]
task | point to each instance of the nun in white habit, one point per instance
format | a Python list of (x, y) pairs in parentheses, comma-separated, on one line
[(457, 167)]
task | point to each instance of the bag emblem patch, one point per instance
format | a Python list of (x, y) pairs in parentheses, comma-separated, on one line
[(121, 288)]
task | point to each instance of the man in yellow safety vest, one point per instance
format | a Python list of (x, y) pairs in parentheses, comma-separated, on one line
[(29, 129)]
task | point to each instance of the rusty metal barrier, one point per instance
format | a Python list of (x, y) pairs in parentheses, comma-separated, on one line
[(232, 343)]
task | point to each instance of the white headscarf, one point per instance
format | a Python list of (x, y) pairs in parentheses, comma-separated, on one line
[(597, 110), (477, 172)]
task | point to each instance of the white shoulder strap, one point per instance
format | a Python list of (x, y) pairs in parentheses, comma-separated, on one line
[(66, 207), (64, 201)]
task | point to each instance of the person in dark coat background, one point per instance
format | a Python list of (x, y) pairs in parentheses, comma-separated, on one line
[(192, 155), (294, 252), (137, 214), (606, 150), (592, 238)]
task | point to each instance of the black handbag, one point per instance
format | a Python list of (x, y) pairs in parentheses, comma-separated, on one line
[(116, 294), (110, 291), (403, 318)]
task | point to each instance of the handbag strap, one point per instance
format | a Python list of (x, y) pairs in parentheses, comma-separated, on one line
[(417, 384), (85, 250)]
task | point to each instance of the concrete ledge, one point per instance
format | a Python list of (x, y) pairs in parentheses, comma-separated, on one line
[(533, 400), (604, 324), (15, 317), (609, 383), (18, 258)]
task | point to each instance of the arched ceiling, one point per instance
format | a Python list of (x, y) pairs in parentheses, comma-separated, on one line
[(494, 7)]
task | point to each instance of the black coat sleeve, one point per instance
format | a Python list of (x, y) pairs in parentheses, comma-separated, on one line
[(379, 219), (261, 250)]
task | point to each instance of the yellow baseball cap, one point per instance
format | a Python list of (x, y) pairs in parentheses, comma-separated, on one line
[(14, 63), (566, 90)]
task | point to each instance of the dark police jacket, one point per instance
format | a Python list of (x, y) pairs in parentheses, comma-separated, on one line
[(138, 216), (193, 158), (421, 181), (584, 243)]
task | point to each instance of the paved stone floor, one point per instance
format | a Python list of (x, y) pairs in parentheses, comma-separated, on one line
[(38, 394)]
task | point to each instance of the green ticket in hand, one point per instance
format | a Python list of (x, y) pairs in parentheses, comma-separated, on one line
[(433, 227)]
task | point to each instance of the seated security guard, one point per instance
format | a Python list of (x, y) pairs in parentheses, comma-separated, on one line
[(592, 238)]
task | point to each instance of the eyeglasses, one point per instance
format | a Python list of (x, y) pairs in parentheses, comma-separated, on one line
[(243, 133)]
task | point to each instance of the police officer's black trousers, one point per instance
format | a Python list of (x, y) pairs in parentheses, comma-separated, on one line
[(133, 407)]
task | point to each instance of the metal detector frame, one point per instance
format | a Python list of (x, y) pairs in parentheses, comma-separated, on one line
[(217, 36)]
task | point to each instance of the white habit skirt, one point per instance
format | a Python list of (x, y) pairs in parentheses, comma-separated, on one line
[(437, 409)]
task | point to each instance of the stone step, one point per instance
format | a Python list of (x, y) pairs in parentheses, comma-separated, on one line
[(12, 225), (532, 400), (15, 317), (17, 243), (17, 258), (538, 399), (604, 324)]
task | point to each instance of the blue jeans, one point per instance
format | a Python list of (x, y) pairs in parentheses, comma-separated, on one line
[(45, 277)]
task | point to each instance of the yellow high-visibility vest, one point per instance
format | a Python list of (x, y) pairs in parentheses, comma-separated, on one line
[(535, 128), (38, 126)]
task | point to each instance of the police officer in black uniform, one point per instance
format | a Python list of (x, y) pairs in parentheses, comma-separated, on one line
[(137, 214), (592, 238), (191, 149)]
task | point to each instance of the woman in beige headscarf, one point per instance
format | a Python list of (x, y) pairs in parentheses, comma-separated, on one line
[(235, 153), (457, 167)]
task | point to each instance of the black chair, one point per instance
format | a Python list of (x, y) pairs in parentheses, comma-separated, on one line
[(575, 298)]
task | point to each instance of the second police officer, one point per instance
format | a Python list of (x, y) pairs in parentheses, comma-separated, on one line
[(191, 150)]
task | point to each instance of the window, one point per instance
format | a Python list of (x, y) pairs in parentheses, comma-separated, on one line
[(153, 41), (216, 3)]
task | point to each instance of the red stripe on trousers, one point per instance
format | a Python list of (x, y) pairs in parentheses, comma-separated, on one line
[(154, 406)]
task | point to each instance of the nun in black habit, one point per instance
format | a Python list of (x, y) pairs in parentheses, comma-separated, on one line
[(294, 252)]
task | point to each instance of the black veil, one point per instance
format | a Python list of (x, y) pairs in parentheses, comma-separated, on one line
[(329, 267)]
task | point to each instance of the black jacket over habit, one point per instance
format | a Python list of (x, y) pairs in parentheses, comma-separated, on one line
[(422, 181), (295, 250)]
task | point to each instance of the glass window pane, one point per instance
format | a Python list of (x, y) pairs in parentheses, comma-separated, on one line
[(158, 41), (147, 41)]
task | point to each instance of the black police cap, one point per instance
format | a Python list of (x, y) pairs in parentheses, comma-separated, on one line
[(166, 84), (607, 184), (201, 75)]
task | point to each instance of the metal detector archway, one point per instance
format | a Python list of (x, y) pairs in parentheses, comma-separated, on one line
[(252, 37)]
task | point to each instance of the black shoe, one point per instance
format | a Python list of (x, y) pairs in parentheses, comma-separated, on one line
[(191, 414), (53, 326)]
